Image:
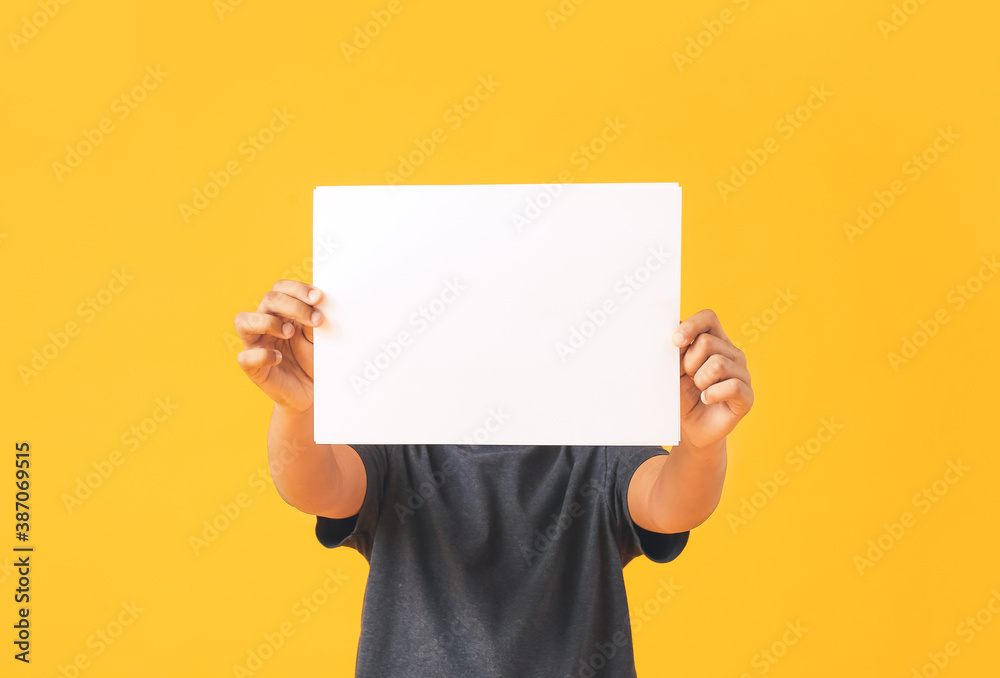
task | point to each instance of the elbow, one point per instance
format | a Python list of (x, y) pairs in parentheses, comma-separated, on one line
[(671, 523), (675, 525), (292, 501)]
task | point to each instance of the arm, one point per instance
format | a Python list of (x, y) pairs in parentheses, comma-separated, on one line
[(323, 480), (327, 480), (677, 492)]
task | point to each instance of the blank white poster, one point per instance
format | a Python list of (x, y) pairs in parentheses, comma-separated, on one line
[(498, 314)]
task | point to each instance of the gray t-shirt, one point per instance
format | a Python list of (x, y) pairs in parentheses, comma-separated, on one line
[(497, 561)]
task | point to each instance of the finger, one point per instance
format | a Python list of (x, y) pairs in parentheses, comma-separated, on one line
[(719, 368), (705, 346), (307, 294), (702, 321), (290, 308), (733, 392), (301, 337), (252, 327), (252, 359), (690, 394)]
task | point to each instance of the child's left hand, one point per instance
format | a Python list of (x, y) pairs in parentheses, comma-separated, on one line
[(715, 382)]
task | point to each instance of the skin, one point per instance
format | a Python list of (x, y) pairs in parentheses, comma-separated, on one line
[(324, 480), (677, 492), (667, 493)]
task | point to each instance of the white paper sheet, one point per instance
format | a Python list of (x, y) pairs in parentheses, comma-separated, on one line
[(515, 314)]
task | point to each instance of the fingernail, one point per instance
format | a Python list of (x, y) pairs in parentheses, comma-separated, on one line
[(316, 317), (278, 356), (313, 294), (703, 398), (678, 338), (287, 329)]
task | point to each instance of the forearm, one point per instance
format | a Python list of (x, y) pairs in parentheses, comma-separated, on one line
[(689, 486), (303, 471)]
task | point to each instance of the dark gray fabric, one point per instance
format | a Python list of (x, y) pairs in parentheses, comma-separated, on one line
[(496, 560)]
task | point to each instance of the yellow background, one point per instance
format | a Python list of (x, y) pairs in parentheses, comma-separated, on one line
[(169, 333)]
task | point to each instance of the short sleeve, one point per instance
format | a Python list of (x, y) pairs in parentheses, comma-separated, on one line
[(633, 540), (358, 531)]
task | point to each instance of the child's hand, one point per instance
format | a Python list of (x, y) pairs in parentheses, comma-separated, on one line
[(279, 343), (715, 382)]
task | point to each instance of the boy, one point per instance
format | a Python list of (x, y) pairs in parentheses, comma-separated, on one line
[(495, 560)]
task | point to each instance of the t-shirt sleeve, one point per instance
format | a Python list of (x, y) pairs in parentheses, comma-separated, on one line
[(358, 531), (632, 539)]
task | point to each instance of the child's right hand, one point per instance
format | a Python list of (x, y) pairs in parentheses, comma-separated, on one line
[(278, 341)]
